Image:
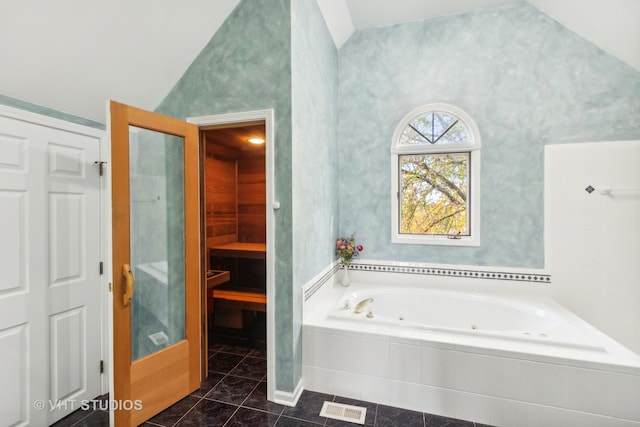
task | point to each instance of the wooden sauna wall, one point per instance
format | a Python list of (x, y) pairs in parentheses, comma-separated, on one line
[(221, 196), (252, 218), (235, 196), (252, 200)]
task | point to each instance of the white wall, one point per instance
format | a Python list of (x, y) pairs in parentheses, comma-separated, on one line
[(613, 25), (594, 239)]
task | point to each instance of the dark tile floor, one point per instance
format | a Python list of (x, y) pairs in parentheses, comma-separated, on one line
[(235, 394)]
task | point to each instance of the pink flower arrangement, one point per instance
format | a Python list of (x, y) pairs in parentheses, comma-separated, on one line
[(346, 249)]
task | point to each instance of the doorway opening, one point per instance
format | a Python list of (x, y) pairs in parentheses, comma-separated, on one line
[(236, 181)]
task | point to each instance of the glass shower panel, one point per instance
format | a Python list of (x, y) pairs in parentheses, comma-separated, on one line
[(156, 171)]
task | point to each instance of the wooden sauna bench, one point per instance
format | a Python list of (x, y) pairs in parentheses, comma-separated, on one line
[(238, 296), (241, 250)]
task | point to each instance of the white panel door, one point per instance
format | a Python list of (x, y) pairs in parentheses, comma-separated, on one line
[(50, 310)]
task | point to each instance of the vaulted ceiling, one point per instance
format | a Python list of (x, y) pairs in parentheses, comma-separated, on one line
[(73, 55)]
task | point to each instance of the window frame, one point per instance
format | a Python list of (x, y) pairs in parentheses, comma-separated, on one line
[(473, 148)]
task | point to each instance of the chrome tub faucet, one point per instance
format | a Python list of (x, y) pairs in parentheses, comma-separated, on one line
[(362, 304)]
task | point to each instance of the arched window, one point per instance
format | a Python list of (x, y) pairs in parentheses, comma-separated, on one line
[(435, 164)]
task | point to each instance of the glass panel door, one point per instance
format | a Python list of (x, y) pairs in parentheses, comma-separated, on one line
[(156, 182), (155, 261)]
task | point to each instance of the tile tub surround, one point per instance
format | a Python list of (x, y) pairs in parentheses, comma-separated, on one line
[(483, 380), (246, 404)]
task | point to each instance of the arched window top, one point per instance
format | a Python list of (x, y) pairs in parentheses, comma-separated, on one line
[(435, 178), (437, 127)]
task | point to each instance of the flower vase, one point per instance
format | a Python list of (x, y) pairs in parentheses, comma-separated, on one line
[(346, 281)]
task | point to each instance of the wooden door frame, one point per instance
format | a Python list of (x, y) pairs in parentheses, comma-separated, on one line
[(238, 118)]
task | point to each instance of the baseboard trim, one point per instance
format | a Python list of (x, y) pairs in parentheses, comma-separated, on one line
[(289, 398)]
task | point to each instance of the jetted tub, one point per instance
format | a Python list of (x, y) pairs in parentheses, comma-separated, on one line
[(534, 320), (492, 358)]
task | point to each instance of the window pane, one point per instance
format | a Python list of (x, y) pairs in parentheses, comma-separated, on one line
[(434, 191), (435, 127), (441, 123), (424, 126), (458, 134), (411, 137)]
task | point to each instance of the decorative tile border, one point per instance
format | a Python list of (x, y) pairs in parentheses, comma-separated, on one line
[(471, 274), (308, 293), (431, 271)]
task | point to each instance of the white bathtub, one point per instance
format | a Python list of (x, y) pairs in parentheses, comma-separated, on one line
[(535, 320), (503, 360)]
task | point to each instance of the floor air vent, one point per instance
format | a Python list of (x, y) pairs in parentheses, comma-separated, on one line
[(342, 412)]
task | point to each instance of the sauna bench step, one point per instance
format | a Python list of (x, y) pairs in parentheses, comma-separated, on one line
[(240, 250), (240, 297), (217, 277)]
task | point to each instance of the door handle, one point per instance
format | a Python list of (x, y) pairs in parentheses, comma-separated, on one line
[(130, 284)]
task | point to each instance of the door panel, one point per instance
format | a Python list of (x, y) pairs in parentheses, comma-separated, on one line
[(49, 271), (13, 370), (73, 296), (156, 238)]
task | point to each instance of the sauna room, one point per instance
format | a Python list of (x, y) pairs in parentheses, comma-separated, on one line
[(235, 227)]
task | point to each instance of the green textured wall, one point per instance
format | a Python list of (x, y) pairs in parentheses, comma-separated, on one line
[(314, 67), (50, 112), (247, 66), (525, 79)]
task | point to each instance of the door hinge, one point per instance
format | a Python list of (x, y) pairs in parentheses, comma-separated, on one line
[(100, 165), (101, 268), (102, 366), (109, 286)]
